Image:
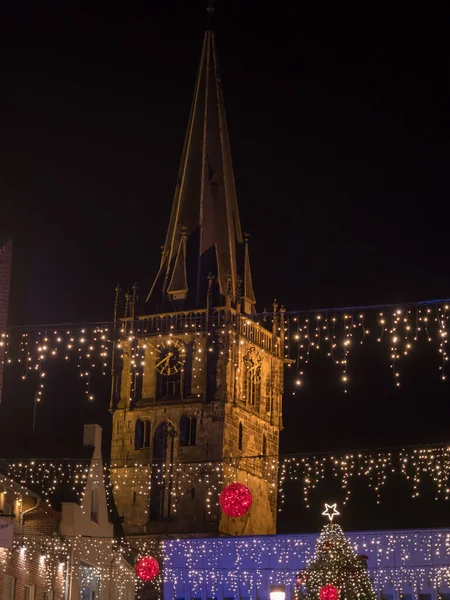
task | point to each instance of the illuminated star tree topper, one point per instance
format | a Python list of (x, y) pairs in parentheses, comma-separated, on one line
[(330, 511)]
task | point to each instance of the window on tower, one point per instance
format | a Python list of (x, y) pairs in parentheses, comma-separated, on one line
[(147, 428), (252, 389), (162, 477), (188, 431), (138, 434), (142, 432), (168, 385)]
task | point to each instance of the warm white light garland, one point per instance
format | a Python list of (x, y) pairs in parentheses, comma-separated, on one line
[(398, 561), (334, 332), (52, 554), (376, 469)]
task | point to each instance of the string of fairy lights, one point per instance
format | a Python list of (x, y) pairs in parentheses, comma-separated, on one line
[(336, 333), (60, 558), (399, 560), (250, 563), (90, 560), (400, 328), (417, 466)]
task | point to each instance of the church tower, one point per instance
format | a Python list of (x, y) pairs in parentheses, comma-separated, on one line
[(197, 388)]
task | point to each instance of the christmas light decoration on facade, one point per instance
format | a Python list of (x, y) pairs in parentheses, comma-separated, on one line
[(376, 469), (335, 332), (398, 561), (60, 558)]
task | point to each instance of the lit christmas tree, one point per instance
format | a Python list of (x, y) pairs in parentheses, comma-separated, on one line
[(336, 571)]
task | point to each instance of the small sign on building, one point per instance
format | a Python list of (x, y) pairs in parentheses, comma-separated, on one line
[(6, 533)]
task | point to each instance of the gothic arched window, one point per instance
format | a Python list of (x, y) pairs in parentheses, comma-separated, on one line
[(142, 434), (252, 388), (252, 378), (241, 435), (264, 446), (188, 430), (162, 472), (139, 434), (147, 428)]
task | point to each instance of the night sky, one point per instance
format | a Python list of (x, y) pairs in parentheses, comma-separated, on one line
[(339, 126)]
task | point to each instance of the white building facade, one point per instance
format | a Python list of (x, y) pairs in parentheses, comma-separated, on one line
[(96, 571)]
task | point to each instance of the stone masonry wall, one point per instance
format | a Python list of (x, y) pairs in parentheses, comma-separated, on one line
[(132, 484), (218, 424)]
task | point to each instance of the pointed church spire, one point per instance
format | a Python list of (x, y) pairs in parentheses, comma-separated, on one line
[(210, 10), (204, 204), (178, 286)]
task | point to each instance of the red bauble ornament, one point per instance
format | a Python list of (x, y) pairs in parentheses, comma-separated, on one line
[(329, 592), (147, 568), (235, 499)]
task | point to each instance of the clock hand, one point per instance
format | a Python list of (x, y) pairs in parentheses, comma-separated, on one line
[(164, 360)]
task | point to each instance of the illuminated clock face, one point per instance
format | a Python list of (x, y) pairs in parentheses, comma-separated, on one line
[(170, 356), (253, 362)]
